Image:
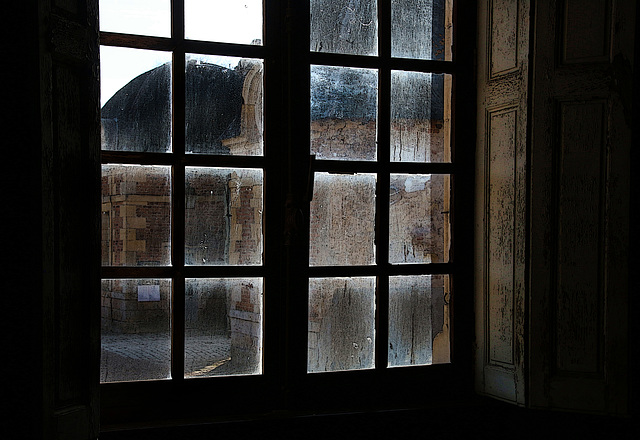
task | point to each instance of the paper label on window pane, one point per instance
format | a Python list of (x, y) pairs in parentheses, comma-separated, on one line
[(148, 293)]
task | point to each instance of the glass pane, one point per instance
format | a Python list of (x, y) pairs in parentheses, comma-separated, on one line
[(140, 17), (341, 333), (136, 333), (418, 320), (421, 29), (136, 99), (223, 21), (344, 104), (223, 216), (420, 129), (136, 213), (223, 327), (223, 105), (419, 218), (343, 220), (344, 26)]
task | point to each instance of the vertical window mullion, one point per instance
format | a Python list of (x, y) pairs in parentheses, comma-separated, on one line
[(178, 191), (383, 181)]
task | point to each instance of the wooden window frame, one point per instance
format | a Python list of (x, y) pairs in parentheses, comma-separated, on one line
[(285, 383)]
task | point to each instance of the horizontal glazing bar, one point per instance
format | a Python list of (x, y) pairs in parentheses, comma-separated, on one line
[(188, 272), (189, 46), (330, 59), (382, 270), (349, 167), (123, 157)]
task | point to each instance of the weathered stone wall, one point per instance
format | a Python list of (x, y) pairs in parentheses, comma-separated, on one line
[(136, 215), (123, 312), (246, 326)]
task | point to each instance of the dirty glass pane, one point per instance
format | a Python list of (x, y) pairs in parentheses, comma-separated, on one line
[(342, 220), (420, 117), (419, 218), (223, 327), (344, 103), (224, 21), (136, 330), (341, 332), (421, 29), (344, 26), (223, 112), (418, 320), (223, 220), (136, 200), (140, 17), (136, 99)]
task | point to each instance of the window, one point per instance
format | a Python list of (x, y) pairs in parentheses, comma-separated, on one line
[(278, 190)]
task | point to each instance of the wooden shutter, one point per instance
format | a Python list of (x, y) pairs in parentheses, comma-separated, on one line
[(581, 139), (503, 68)]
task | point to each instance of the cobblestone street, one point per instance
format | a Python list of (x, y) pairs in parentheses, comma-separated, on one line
[(145, 356)]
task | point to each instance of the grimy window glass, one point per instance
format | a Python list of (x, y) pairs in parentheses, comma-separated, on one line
[(244, 161), (380, 102), (182, 189)]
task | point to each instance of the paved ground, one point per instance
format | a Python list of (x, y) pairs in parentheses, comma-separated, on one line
[(127, 357)]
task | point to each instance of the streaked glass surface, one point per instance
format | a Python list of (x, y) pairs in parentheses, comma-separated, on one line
[(223, 112), (344, 26), (223, 220), (136, 99), (418, 320), (419, 229), (135, 330), (421, 29), (344, 105), (420, 117), (342, 229), (223, 327), (341, 332)]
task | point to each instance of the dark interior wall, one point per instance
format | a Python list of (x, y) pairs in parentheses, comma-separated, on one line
[(20, 333), (634, 235)]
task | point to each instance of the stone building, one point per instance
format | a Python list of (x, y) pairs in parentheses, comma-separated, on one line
[(223, 207)]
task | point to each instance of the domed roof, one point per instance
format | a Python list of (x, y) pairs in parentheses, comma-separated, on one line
[(138, 116)]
